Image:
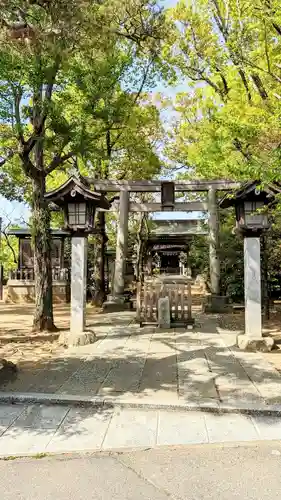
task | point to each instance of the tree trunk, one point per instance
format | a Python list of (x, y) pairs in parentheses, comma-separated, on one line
[(43, 315), (99, 264)]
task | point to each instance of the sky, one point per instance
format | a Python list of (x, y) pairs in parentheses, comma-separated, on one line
[(18, 213)]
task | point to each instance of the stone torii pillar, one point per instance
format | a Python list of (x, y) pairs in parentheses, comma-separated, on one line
[(216, 302), (116, 298), (121, 246), (214, 241)]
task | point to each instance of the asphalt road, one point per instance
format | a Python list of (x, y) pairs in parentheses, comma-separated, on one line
[(191, 473)]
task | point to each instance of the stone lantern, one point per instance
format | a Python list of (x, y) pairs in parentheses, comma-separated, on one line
[(79, 204), (251, 207)]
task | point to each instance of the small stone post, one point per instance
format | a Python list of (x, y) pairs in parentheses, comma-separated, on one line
[(253, 339), (121, 247)]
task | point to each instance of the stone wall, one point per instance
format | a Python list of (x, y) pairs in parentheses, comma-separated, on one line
[(22, 292)]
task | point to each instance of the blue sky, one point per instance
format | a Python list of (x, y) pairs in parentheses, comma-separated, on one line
[(17, 212)]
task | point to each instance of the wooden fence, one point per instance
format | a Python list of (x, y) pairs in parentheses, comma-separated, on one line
[(148, 294)]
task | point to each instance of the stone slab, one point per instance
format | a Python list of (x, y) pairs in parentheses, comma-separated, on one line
[(20, 441), (82, 429), (130, 428), (267, 427), (41, 417), (230, 427), (181, 428), (195, 381), (159, 373), (8, 413), (124, 376), (88, 379)]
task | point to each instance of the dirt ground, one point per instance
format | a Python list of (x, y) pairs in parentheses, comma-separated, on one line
[(271, 327), (19, 344)]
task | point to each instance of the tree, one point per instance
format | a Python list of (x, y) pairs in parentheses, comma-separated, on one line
[(229, 54), (42, 42), (122, 127)]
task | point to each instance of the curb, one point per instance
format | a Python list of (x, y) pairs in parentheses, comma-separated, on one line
[(107, 402)]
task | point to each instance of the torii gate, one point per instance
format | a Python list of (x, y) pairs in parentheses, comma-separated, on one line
[(210, 205)]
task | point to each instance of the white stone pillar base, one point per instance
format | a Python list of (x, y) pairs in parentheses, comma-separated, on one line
[(251, 344), (68, 339)]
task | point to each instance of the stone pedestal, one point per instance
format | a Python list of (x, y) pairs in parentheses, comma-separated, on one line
[(253, 340), (217, 304), (78, 335), (115, 304), (262, 344)]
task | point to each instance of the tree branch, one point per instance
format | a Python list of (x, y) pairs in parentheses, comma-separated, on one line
[(17, 93), (10, 247), (29, 168), (40, 123), (8, 157), (57, 161), (259, 85), (239, 147)]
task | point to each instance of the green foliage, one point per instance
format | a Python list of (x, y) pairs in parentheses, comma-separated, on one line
[(231, 259), (66, 91), (9, 254), (228, 53)]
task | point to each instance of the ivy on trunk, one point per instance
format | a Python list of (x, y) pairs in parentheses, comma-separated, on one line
[(43, 315)]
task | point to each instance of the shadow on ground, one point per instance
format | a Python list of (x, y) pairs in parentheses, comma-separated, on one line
[(148, 364)]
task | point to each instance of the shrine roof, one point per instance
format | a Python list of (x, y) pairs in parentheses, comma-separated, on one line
[(73, 186), (251, 190)]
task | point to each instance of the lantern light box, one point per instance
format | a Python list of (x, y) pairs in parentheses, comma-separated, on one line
[(79, 204)]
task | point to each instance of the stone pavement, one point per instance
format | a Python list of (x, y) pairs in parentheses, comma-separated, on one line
[(34, 429), (148, 366)]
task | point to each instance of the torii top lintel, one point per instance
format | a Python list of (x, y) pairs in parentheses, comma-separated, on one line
[(155, 185)]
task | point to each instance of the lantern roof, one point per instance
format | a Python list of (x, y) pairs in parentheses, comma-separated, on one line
[(76, 188), (252, 191)]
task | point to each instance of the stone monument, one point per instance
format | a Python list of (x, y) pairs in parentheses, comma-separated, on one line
[(164, 317)]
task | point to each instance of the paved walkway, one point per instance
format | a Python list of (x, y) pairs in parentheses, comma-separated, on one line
[(33, 429), (151, 366)]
